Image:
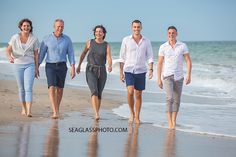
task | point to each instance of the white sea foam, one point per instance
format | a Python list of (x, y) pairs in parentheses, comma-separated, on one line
[(206, 119)]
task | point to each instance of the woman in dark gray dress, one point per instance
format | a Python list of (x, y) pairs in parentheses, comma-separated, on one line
[(96, 75)]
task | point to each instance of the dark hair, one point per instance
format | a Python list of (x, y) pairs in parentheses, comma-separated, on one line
[(103, 29), (137, 21), (25, 20), (172, 27)]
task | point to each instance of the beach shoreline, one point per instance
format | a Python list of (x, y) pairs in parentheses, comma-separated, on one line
[(76, 111)]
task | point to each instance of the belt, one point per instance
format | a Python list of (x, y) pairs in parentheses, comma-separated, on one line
[(99, 67), (57, 63)]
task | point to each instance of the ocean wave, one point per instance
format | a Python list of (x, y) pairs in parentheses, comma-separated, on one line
[(192, 117)]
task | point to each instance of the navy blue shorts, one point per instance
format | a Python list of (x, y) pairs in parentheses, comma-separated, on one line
[(136, 80), (56, 74)]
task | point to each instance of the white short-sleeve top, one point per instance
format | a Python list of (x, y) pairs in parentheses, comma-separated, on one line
[(173, 59)]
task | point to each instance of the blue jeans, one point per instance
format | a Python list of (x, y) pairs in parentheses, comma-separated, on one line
[(25, 74)]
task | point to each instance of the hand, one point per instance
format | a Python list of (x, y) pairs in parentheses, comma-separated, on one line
[(122, 77), (78, 69), (109, 69), (160, 84), (11, 59), (150, 74), (36, 73), (188, 79), (72, 72)]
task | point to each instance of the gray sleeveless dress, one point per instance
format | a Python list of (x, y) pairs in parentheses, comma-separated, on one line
[(96, 74)]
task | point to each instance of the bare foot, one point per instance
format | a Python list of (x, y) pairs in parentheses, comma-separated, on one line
[(137, 121), (131, 119), (29, 115), (97, 117), (23, 113), (55, 116)]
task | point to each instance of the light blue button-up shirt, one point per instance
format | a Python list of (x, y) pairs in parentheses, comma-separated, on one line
[(56, 49)]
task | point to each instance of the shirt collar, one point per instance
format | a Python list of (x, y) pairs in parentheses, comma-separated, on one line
[(177, 43), (62, 35)]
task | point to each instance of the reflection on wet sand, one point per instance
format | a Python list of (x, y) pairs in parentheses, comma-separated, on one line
[(51, 145), (131, 146), (23, 140), (93, 142), (170, 150)]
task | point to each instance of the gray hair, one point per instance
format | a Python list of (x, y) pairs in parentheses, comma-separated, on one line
[(59, 20)]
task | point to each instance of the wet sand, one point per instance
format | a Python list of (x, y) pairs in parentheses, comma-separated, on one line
[(73, 134)]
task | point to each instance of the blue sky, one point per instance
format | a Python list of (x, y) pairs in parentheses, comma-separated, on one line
[(196, 20)]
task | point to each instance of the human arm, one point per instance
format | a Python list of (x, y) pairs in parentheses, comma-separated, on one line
[(9, 54), (82, 56), (122, 60), (150, 65), (71, 58), (189, 68), (150, 59), (109, 58), (36, 62), (42, 52), (122, 77), (159, 71)]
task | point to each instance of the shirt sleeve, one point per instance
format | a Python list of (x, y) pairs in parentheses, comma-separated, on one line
[(42, 51), (122, 51), (12, 40), (149, 52), (161, 51), (185, 49), (71, 56), (36, 44)]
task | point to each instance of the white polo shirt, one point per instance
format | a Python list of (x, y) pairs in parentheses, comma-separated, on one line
[(173, 59), (135, 56)]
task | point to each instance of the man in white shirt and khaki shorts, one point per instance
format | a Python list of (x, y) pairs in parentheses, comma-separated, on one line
[(170, 66)]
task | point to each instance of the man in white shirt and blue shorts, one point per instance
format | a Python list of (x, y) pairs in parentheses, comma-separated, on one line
[(135, 53)]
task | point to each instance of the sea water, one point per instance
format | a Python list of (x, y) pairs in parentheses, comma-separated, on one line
[(212, 89)]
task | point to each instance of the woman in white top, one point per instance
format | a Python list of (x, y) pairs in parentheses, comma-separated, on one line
[(22, 51)]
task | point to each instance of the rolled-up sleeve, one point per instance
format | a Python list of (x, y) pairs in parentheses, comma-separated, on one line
[(42, 51), (149, 52), (122, 52), (71, 56)]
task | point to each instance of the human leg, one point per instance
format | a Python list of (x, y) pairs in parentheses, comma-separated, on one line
[(138, 105), (19, 74), (130, 99), (53, 100), (92, 81), (28, 82), (139, 86), (129, 80), (59, 94), (169, 85), (178, 85), (101, 81), (95, 105)]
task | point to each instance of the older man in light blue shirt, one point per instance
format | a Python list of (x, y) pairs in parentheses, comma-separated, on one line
[(57, 47)]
